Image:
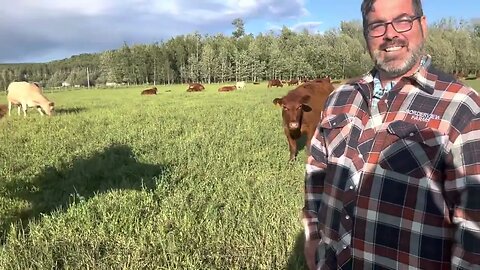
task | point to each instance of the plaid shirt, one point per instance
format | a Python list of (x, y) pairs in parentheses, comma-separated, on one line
[(399, 189)]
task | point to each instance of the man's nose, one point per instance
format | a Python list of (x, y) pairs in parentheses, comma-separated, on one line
[(390, 32)]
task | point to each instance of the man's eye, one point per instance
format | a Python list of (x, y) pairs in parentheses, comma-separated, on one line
[(376, 26)]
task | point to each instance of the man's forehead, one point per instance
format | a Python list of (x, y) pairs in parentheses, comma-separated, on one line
[(390, 9)]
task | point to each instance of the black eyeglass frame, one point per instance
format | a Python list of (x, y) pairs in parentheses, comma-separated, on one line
[(409, 19)]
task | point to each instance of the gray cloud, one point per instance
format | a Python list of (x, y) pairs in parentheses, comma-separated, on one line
[(42, 31)]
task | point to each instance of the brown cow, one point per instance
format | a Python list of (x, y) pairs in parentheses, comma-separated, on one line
[(227, 88), (292, 82), (3, 110), (301, 112), (321, 80), (195, 87), (150, 91), (274, 82)]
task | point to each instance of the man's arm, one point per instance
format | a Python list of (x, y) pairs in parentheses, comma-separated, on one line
[(314, 179), (462, 187)]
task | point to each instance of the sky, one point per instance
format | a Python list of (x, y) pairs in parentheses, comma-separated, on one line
[(46, 30)]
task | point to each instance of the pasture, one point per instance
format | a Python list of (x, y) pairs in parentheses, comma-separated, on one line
[(116, 180), (179, 180)]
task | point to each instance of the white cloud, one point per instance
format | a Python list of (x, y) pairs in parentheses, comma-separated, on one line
[(298, 27), (31, 29)]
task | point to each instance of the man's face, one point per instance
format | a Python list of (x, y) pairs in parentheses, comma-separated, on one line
[(396, 54)]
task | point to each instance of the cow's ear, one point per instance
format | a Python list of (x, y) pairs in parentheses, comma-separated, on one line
[(306, 108), (277, 101)]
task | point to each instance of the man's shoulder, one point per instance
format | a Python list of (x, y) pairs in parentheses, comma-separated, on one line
[(439, 75)]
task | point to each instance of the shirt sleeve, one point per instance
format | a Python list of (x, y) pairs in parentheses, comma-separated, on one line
[(314, 182), (462, 186)]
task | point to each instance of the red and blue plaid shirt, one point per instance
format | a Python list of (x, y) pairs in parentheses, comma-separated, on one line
[(397, 189)]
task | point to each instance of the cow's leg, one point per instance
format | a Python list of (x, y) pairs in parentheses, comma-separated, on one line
[(9, 107), (308, 144), (24, 108), (40, 111), (19, 108), (292, 145)]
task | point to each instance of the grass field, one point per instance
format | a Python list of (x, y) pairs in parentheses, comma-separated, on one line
[(475, 84), (180, 180)]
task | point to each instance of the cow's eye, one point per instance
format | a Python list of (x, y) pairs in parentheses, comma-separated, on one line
[(285, 108)]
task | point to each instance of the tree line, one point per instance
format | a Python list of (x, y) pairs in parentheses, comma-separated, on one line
[(285, 54)]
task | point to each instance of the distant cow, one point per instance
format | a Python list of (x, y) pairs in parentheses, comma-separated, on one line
[(274, 82), (195, 87), (150, 91), (24, 95), (227, 88), (240, 85), (292, 82), (301, 112), (3, 110)]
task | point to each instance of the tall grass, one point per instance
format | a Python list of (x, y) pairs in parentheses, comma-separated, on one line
[(178, 180)]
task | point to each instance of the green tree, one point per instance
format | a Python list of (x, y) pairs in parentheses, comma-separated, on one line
[(239, 28)]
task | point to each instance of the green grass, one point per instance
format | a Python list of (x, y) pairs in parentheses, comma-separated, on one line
[(475, 84), (179, 180)]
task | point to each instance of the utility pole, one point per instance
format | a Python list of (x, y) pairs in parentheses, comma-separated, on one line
[(88, 79)]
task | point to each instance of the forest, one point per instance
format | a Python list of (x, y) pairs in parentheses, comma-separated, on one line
[(339, 53)]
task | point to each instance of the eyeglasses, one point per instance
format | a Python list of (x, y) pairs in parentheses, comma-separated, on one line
[(401, 25)]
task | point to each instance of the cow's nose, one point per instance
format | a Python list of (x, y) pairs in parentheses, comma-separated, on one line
[(293, 125)]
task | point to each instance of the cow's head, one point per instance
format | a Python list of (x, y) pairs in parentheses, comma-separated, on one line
[(48, 108), (293, 110)]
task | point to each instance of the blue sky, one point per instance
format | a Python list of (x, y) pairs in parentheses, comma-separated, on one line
[(46, 30)]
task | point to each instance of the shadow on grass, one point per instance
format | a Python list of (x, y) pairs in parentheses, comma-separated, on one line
[(69, 110), (296, 261), (114, 168)]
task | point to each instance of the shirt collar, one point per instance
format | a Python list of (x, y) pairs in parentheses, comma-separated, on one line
[(420, 76)]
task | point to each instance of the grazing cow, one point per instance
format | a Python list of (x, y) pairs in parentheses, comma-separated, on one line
[(24, 95), (195, 87), (301, 112), (150, 91), (292, 82), (227, 88), (274, 82), (240, 85)]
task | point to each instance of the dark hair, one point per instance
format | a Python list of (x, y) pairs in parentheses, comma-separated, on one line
[(367, 7)]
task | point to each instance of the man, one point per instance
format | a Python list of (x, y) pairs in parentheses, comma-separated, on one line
[(393, 179)]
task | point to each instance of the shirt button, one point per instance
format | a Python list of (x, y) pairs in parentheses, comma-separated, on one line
[(411, 134), (347, 217), (344, 247), (360, 155), (351, 187)]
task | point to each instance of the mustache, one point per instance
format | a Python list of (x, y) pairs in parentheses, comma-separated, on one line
[(393, 43)]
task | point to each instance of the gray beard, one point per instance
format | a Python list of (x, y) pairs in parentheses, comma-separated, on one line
[(397, 71)]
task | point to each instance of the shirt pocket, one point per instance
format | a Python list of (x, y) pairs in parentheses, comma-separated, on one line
[(411, 149), (336, 129)]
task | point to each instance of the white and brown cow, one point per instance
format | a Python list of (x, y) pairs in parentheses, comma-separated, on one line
[(24, 95)]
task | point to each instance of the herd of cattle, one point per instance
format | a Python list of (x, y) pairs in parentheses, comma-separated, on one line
[(301, 107)]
